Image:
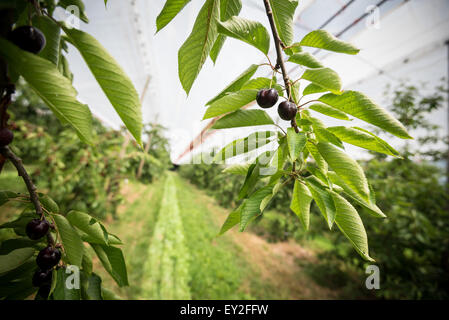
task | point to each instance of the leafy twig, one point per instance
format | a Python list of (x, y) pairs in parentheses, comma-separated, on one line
[(280, 61)]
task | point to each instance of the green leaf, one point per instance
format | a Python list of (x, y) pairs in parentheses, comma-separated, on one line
[(73, 245), (232, 220), (329, 111), (243, 118), (369, 205), (251, 206), (94, 287), (79, 4), (283, 13), (228, 8), (5, 196), (169, 11), (236, 84), (350, 224), (323, 199), (251, 32), (295, 86), (20, 222), (112, 80), (305, 59), (294, 48), (251, 179), (230, 102), (15, 259), (52, 34), (325, 78), (296, 143), (193, 53), (313, 88), (319, 160), (112, 239), (61, 291), (113, 262), (346, 168), (51, 86), (324, 40), (362, 139), (253, 141), (87, 262), (361, 107), (109, 295), (300, 205), (262, 83), (239, 169), (89, 225), (48, 203)]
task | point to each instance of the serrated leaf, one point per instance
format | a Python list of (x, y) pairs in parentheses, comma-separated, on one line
[(253, 141), (322, 39), (294, 90), (319, 160), (230, 102), (113, 262), (169, 11), (236, 84), (193, 53), (251, 32), (251, 206), (350, 224), (300, 204), (48, 203), (292, 49), (228, 8), (323, 199), (5, 196), (361, 107), (325, 78), (239, 169), (52, 34), (61, 291), (359, 138), (346, 168), (369, 205), (73, 245), (89, 225), (313, 88), (283, 13), (15, 259), (94, 287), (243, 118), (262, 83), (251, 179), (112, 79), (305, 59), (296, 143), (232, 220), (51, 86), (329, 111)]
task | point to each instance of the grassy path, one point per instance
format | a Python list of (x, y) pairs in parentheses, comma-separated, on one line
[(166, 272), (169, 229)]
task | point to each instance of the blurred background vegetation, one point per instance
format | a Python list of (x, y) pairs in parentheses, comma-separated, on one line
[(125, 186)]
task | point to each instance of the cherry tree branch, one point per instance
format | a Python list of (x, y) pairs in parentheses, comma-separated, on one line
[(32, 190), (280, 61)]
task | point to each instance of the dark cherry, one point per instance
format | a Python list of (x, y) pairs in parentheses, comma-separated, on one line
[(48, 258), (287, 110), (28, 38), (266, 98), (37, 228), (42, 277), (6, 137), (44, 291)]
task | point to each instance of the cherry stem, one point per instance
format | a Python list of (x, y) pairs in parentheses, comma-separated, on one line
[(280, 61), (32, 190)]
